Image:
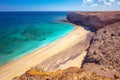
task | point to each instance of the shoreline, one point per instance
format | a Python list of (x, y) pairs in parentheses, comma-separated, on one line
[(22, 64), (45, 43)]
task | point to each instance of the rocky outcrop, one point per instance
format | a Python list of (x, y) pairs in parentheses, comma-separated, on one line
[(105, 47), (71, 73), (94, 20)]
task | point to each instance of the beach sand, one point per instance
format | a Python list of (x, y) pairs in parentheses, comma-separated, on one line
[(20, 65)]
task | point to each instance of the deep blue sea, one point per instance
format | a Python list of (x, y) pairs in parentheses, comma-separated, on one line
[(23, 32)]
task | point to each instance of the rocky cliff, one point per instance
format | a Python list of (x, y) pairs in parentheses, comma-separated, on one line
[(105, 47), (104, 50), (94, 20)]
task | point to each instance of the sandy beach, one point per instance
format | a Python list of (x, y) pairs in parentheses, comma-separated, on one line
[(62, 45)]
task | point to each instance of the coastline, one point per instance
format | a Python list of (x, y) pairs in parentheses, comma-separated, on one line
[(19, 66), (15, 53)]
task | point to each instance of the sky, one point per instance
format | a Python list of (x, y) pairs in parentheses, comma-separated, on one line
[(59, 5)]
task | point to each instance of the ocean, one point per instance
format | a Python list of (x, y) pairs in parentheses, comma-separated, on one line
[(24, 32)]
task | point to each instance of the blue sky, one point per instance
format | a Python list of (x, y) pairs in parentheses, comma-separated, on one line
[(59, 5)]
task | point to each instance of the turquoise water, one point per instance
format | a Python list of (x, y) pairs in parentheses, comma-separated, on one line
[(23, 32)]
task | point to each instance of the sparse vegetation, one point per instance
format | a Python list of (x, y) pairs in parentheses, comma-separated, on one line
[(67, 74)]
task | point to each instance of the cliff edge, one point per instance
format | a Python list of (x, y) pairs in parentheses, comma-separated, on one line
[(94, 20), (105, 47)]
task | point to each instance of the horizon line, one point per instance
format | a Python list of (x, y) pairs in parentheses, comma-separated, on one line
[(61, 11)]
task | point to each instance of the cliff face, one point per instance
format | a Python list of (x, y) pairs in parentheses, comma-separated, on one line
[(94, 20), (105, 47)]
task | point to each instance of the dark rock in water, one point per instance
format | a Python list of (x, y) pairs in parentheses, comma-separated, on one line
[(42, 39), (64, 20), (105, 47), (94, 20), (34, 33)]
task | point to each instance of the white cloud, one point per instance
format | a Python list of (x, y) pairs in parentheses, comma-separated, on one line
[(112, 0), (94, 5), (102, 2), (118, 3), (108, 4), (87, 1)]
